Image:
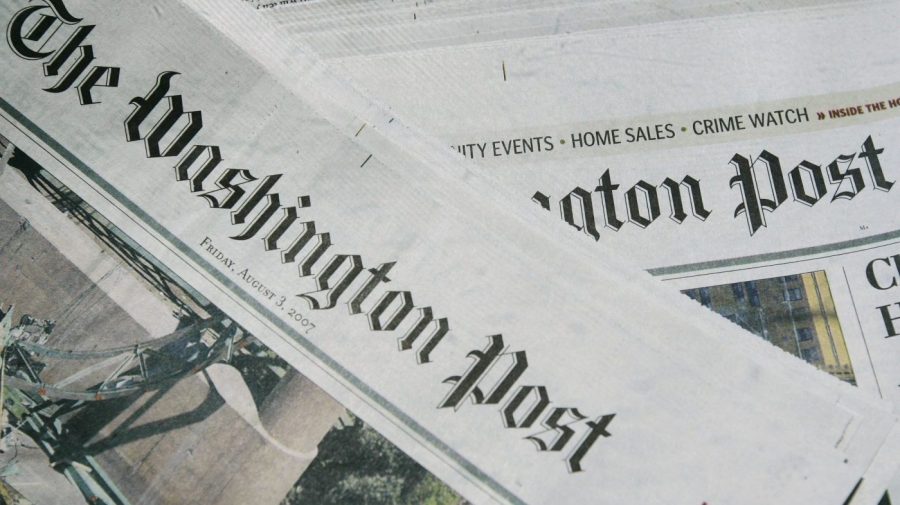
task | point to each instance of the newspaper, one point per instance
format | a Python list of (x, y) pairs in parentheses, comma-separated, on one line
[(790, 181), (437, 78), (259, 115), (760, 196)]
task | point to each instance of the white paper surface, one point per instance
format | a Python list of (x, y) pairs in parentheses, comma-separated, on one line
[(649, 356)]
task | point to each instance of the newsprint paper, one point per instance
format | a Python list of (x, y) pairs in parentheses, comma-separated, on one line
[(506, 354), (610, 174), (698, 187)]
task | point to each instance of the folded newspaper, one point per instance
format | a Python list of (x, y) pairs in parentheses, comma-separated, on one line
[(518, 361)]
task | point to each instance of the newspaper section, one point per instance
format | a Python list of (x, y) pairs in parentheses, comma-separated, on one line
[(725, 189), (126, 377), (824, 431), (769, 220)]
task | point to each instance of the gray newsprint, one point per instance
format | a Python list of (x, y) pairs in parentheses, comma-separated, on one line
[(215, 248), (764, 198)]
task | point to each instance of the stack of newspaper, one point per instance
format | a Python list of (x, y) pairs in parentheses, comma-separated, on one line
[(564, 251)]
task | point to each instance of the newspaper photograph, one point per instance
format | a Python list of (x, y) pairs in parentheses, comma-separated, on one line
[(122, 378), (351, 312)]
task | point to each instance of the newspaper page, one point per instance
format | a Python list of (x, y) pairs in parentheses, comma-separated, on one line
[(769, 206), (764, 197), (103, 352), (826, 432)]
